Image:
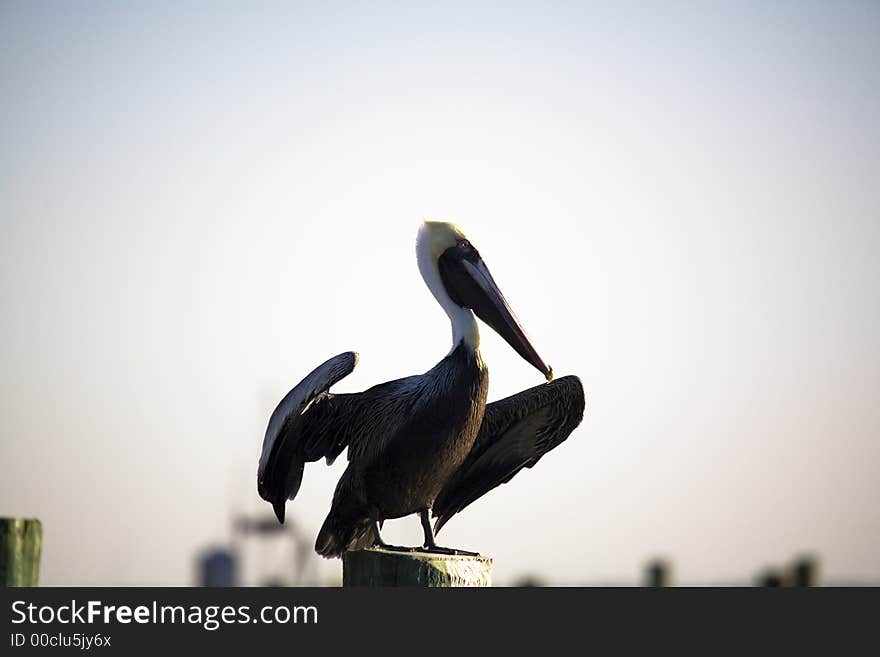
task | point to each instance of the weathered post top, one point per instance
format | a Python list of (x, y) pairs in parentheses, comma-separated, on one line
[(378, 567), (21, 542)]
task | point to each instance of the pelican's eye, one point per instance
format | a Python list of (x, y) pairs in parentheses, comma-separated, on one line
[(464, 244)]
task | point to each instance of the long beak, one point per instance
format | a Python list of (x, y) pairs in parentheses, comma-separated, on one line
[(490, 305)]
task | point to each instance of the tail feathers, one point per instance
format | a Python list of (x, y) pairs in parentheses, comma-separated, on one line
[(337, 536)]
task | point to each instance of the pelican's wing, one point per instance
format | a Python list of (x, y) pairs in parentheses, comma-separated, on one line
[(516, 432), (288, 446)]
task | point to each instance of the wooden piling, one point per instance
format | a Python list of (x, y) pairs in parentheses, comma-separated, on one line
[(804, 572), (21, 543), (658, 573), (378, 567)]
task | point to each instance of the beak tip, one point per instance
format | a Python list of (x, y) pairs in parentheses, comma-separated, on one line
[(549, 374)]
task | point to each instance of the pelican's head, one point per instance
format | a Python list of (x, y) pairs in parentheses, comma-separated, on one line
[(460, 281)]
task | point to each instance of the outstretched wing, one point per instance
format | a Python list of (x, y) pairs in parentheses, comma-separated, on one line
[(516, 432), (287, 447), (311, 423)]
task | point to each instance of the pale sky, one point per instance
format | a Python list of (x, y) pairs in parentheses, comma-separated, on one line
[(680, 200)]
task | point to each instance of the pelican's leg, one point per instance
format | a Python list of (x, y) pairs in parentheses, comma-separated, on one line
[(431, 545), (377, 523)]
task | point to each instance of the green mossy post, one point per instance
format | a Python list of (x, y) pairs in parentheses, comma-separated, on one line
[(21, 542), (377, 567)]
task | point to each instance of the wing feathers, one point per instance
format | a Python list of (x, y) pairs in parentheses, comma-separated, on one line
[(286, 447), (516, 432)]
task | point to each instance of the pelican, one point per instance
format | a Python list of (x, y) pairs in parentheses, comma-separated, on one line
[(427, 443)]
